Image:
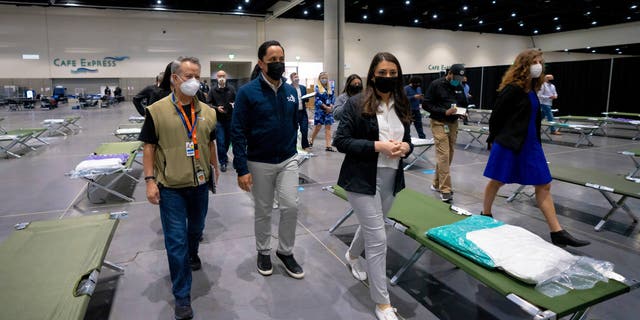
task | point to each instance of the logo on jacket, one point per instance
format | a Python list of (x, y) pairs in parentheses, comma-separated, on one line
[(291, 98)]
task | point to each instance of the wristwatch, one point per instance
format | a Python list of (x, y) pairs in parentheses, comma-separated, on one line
[(147, 178)]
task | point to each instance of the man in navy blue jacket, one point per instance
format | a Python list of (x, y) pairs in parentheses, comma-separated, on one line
[(264, 135)]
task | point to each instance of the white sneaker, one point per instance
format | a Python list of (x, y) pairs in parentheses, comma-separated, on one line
[(433, 188), (356, 268), (386, 314)]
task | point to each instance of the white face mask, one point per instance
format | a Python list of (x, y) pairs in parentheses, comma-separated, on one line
[(190, 87), (222, 81), (536, 70)]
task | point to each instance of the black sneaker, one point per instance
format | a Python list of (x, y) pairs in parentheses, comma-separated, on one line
[(446, 197), (563, 238), (264, 264), (195, 263), (183, 312), (223, 167), (293, 268)]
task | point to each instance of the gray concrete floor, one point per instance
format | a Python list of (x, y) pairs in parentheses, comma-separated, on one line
[(228, 287)]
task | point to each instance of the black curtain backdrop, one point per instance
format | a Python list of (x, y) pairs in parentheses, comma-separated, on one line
[(582, 85), (623, 95)]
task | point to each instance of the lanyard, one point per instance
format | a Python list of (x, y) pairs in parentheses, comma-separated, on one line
[(190, 126)]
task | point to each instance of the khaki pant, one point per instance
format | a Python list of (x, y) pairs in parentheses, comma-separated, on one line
[(444, 143)]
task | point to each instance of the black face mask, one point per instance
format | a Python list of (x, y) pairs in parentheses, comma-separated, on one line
[(275, 70), (385, 84), (354, 89)]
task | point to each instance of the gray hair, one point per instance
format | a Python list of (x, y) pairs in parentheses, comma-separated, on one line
[(175, 65)]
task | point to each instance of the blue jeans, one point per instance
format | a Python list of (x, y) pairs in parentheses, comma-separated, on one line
[(417, 121), (547, 114), (182, 212), (223, 140), (303, 123)]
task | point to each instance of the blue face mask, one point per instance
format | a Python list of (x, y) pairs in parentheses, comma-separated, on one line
[(455, 83)]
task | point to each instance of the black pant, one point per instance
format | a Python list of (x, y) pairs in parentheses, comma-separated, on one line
[(303, 123), (417, 121)]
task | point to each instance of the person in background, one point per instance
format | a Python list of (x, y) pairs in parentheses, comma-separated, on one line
[(547, 94), (352, 87), (303, 118), (467, 89), (222, 97), (323, 115), (374, 134), (414, 93), (264, 136), (514, 139), (179, 153), (441, 99), (107, 92), (149, 95)]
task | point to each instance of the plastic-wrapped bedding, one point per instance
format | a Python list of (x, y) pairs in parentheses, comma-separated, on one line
[(99, 164), (523, 255)]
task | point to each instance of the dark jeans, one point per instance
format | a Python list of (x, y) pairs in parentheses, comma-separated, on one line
[(182, 212), (223, 140), (417, 121), (303, 123), (547, 114)]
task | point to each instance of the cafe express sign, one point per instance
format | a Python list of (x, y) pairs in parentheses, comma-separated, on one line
[(84, 65)]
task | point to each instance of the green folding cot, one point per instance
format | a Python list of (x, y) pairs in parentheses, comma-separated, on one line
[(584, 131), (485, 114), (12, 141), (634, 154), (49, 269), (606, 183), (128, 132), (420, 146), (2, 130), (475, 132), (342, 194), (415, 213), (34, 132), (596, 121), (621, 114), (63, 126), (106, 180)]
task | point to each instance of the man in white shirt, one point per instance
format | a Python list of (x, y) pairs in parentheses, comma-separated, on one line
[(303, 118), (547, 94)]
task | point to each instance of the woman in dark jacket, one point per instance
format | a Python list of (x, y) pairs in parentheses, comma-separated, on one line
[(516, 151), (374, 135)]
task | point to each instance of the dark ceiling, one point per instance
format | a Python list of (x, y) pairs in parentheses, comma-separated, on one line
[(516, 17)]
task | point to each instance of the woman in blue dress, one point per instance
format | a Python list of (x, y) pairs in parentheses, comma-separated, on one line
[(323, 116), (514, 138)]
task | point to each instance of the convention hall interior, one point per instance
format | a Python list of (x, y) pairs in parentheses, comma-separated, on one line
[(83, 242)]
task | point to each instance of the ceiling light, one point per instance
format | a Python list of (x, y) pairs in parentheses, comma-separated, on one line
[(588, 13), (246, 1), (231, 56), (619, 52), (364, 17), (493, 2), (305, 12), (318, 6), (297, 58), (535, 31), (500, 29), (566, 50), (465, 8), (628, 18), (459, 25), (381, 11), (159, 2), (513, 14), (521, 24), (588, 48), (558, 28), (435, 16), (594, 23), (416, 21), (593, 51), (634, 6), (481, 22), (407, 2), (555, 18), (239, 7)]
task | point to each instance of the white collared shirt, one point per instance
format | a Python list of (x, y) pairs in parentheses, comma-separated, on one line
[(275, 88), (389, 128), (299, 97)]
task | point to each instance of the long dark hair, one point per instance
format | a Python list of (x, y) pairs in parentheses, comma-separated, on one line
[(165, 84), (372, 100), (349, 79), (262, 51)]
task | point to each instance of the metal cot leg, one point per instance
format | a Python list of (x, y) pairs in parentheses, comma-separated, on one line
[(515, 193), (342, 220), (416, 255)]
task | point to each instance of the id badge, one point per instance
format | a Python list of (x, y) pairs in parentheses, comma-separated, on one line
[(191, 151), (202, 179), (446, 128)]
